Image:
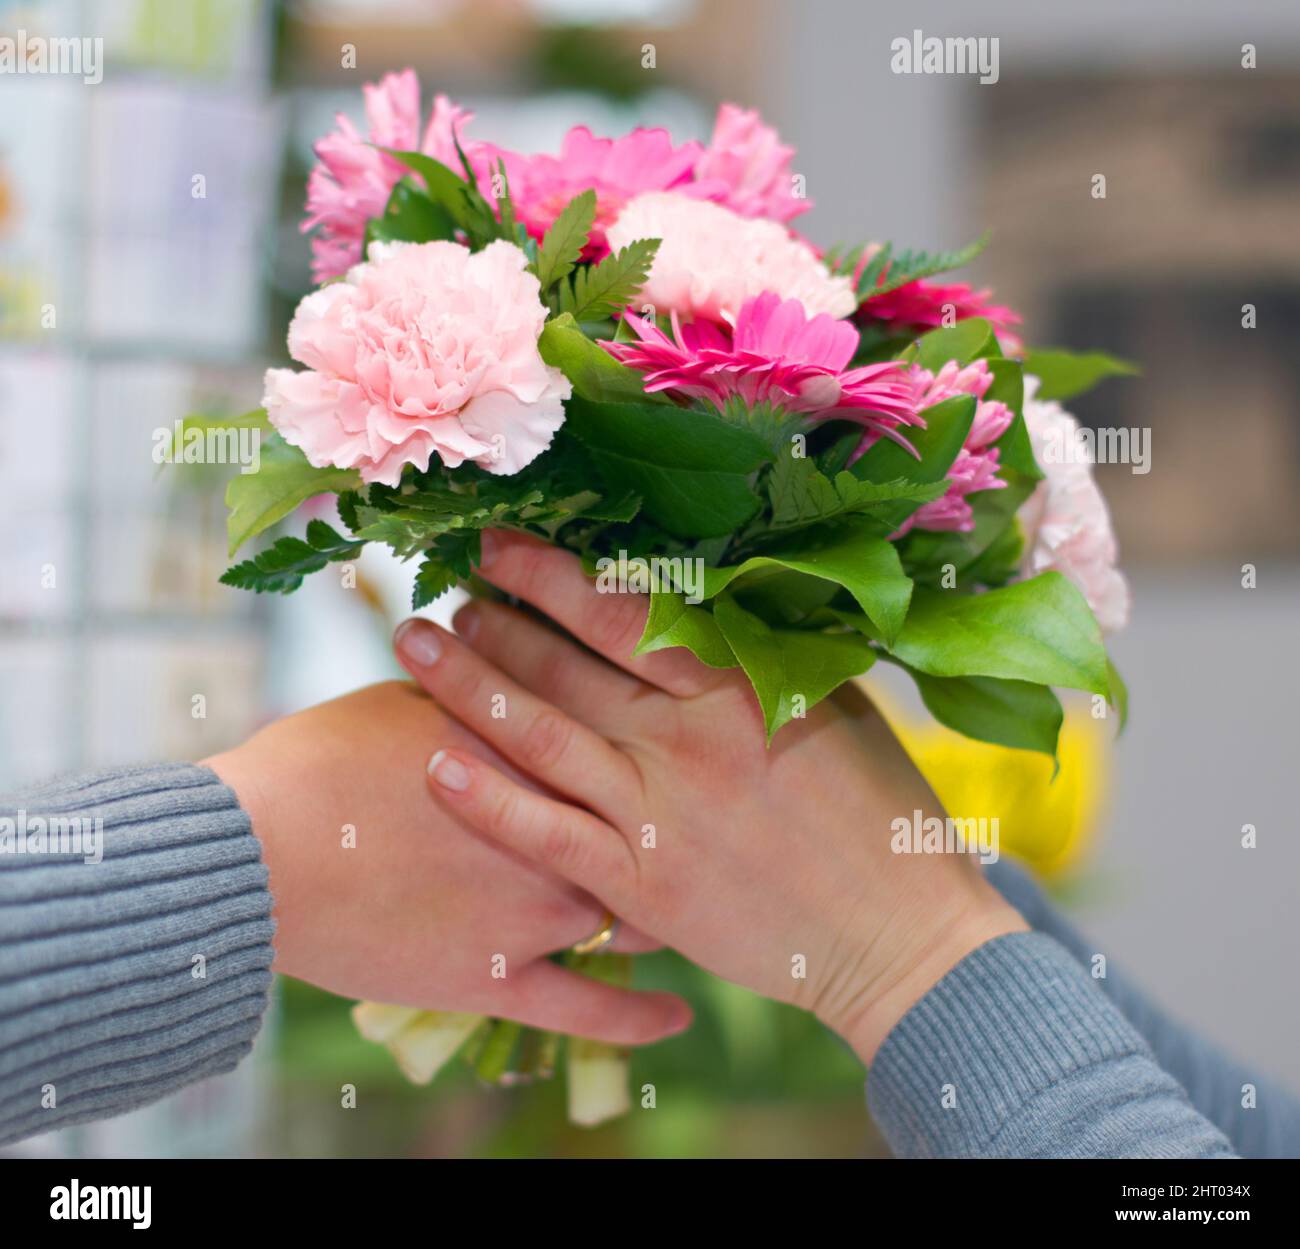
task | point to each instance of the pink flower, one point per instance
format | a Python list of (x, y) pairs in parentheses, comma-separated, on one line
[(746, 168), (711, 260), (354, 179), (1066, 523), (427, 349), (976, 465), (617, 169), (776, 354), (922, 305)]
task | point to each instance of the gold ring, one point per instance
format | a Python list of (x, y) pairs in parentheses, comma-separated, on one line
[(601, 937)]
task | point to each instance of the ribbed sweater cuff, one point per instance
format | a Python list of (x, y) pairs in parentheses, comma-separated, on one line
[(124, 979), (1015, 1018)]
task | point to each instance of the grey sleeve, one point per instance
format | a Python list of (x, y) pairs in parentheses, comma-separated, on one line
[(1016, 1054), (1216, 1084), (125, 978)]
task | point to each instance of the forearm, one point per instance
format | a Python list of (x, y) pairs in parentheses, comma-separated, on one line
[(1015, 1053), (124, 979), (1216, 1084)]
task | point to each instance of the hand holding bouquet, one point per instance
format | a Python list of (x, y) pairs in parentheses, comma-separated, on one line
[(809, 462)]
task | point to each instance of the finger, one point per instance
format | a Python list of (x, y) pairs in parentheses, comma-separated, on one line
[(569, 842), (550, 664), (546, 995), (551, 746), (552, 580)]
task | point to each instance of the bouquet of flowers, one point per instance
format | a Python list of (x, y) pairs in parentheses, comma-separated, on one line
[(808, 461)]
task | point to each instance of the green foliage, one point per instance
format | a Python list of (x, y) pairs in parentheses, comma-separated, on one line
[(283, 481), (281, 567), (564, 241), (791, 670), (691, 470), (800, 494), (602, 290), (886, 272), (1064, 374)]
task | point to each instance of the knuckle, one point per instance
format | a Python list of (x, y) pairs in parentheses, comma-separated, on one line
[(546, 740), (613, 625), (561, 847)]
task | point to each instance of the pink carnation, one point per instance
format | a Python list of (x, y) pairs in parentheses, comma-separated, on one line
[(711, 260), (354, 179), (617, 169), (1066, 523), (976, 465), (427, 349), (776, 354), (746, 168)]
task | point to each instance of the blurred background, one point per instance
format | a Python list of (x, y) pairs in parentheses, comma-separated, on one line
[(127, 302)]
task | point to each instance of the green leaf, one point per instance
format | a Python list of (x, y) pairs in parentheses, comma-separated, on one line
[(690, 469), (432, 581), (925, 553), (564, 241), (802, 495), (937, 445), (410, 216), (601, 290), (674, 622), (1064, 374), (791, 671), (1019, 714), (851, 554), (886, 272), (1118, 696), (963, 342), (281, 567), (595, 374), (459, 199), (1040, 630), (283, 481)]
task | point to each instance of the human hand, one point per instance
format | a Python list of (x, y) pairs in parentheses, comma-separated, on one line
[(771, 867), (416, 911)]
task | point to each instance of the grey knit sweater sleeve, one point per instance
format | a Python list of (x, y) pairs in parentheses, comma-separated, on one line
[(1016, 1053), (1257, 1114), (135, 942)]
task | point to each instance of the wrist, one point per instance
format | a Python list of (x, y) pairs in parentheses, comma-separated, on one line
[(930, 953)]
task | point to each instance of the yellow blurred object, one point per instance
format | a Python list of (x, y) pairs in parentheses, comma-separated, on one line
[(1049, 824)]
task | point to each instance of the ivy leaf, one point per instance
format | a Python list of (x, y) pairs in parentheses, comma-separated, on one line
[(602, 290), (564, 241), (284, 480), (791, 670), (281, 567)]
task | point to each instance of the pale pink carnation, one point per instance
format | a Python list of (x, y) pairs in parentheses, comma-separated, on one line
[(746, 168), (426, 350), (775, 354), (1066, 522), (354, 179), (618, 170), (976, 465), (711, 260)]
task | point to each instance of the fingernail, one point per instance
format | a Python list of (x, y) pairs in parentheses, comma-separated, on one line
[(681, 1020), (488, 547), (466, 621), (448, 772), (418, 641)]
